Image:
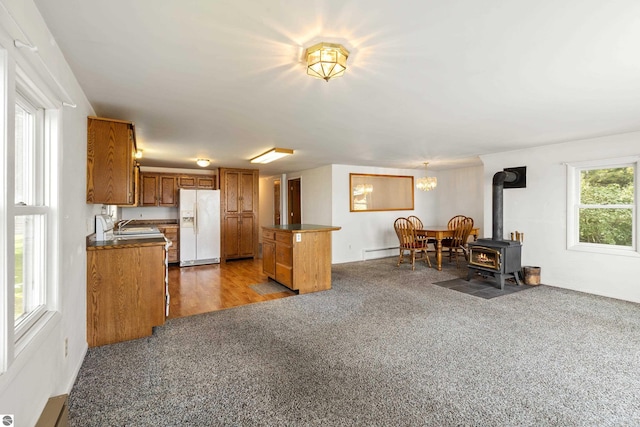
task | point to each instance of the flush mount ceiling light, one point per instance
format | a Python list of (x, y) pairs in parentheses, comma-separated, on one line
[(271, 155), (138, 154), (427, 183), (203, 163), (326, 60)]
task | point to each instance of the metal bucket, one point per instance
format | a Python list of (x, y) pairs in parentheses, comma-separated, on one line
[(531, 275)]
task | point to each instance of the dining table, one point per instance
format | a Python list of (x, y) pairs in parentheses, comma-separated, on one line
[(438, 233)]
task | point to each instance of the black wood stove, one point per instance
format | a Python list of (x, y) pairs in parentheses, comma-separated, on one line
[(496, 257)]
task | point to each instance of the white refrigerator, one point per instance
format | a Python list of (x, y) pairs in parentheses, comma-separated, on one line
[(199, 227)]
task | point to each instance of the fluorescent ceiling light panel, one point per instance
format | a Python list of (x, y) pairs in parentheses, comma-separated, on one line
[(271, 155)]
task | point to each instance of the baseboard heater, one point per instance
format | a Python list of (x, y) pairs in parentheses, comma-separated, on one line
[(366, 252)]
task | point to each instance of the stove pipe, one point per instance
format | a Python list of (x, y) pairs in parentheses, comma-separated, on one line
[(498, 186)]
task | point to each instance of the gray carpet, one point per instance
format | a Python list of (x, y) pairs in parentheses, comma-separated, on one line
[(384, 347), (268, 288)]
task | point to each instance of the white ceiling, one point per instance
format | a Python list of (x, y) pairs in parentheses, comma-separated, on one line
[(431, 80)]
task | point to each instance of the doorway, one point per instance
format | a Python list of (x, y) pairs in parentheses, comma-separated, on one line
[(276, 202), (293, 201)]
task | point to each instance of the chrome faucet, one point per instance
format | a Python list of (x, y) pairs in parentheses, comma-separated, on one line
[(122, 223)]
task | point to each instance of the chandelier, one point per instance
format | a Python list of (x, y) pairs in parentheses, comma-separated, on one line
[(427, 183), (326, 60)]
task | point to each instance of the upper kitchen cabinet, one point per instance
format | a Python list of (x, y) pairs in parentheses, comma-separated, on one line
[(239, 211), (199, 182), (111, 166), (158, 190)]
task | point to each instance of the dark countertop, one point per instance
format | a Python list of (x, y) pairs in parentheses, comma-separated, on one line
[(93, 245), (301, 228)]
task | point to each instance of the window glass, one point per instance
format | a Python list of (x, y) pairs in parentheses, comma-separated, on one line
[(606, 206), (29, 258), (29, 285), (24, 152), (606, 226), (606, 186)]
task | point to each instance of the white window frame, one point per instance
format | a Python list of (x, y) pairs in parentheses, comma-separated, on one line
[(17, 76), (40, 206), (574, 206)]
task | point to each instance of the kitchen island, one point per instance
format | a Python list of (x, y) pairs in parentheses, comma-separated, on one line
[(298, 255)]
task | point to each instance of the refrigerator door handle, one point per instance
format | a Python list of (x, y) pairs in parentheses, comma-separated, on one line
[(195, 218)]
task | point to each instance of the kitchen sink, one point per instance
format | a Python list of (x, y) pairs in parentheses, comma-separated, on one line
[(138, 236), (137, 230)]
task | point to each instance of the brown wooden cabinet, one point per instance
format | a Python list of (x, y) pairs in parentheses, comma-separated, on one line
[(298, 256), (269, 253), (158, 190), (111, 166), (239, 212), (171, 232), (125, 291), (200, 182)]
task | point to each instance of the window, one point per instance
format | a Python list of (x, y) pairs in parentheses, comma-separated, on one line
[(30, 215), (603, 206), (29, 174)]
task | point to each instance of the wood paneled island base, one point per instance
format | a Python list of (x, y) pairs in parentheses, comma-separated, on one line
[(298, 255)]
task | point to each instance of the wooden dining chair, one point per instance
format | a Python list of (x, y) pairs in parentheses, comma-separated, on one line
[(455, 221), (409, 242), (451, 225), (458, 244), (417, 223)]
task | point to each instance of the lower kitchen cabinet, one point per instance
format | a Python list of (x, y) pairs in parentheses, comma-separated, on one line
[(171, 232), (298, 256), (125, 290), (239, 240), (269, 255)]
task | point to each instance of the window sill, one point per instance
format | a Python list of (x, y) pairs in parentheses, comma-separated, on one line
[(601, 249)]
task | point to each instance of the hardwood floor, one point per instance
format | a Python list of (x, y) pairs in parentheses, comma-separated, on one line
[(205, 288)]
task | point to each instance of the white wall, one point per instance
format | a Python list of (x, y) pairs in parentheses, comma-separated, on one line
[(371, 230), (316, 195), (540, 212), (461, 192), (266, 209), (42, 370)]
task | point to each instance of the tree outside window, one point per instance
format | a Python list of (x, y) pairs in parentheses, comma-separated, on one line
[(606, 206)]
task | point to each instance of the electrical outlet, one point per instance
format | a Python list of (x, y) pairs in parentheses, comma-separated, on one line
[(298, 237), (66, 347)]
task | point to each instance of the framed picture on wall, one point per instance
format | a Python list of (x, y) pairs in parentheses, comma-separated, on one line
[(371, 192)]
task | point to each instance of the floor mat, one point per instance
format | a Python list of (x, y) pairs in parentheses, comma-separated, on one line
[(486, 289), (268, 288)]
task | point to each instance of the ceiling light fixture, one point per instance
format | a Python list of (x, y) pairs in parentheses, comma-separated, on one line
[(138, 154), (326, 60), (203, 163), (427, 183), (271, 155)]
